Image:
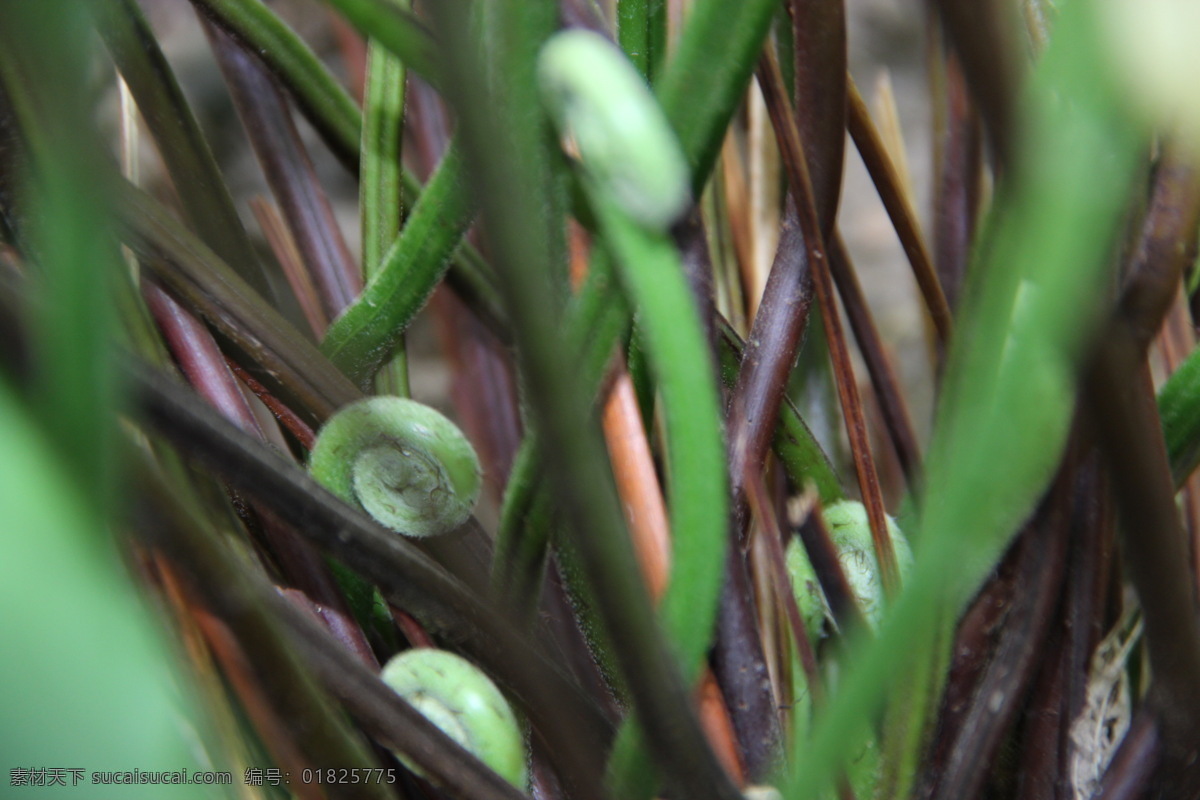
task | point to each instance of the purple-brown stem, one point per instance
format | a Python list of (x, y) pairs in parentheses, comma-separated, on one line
[(205, 368), (959, 172), (265, 113), (793, 154), (870, 345), (904, 218)]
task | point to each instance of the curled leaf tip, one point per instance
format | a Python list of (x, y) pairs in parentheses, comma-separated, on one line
[(612, 123), (402, 462), (456, 696)]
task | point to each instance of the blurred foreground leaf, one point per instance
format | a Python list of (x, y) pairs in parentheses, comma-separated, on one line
[(86, 682)]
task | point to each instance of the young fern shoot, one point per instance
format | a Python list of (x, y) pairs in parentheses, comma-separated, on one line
[(402, 462)]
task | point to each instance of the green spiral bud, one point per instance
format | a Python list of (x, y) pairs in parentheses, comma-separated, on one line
[(605, 110), (457, 697), (851, 535), (402, 462)]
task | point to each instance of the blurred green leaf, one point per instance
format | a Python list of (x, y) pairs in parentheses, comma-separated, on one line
[(86, 682), (1037, 286)]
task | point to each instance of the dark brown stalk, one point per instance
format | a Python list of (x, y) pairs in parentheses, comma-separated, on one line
[(1044, 770), (879, 367), (466, 553), (768, 355), (792, 151), (319, 615), (340, 135), (543, 783), (895, 201), (267, 118), (407, 578), (982, 33), (738, 656), (1154, 550), (958, 176), (280, 355), (1134, 762), (204, 366), (819, 32), (741, 670), (1091, 560), (287, 418), (1166, 247), (1120, 399), (820, 35), (1002, 691), (200, 359), (781, 319), (1191, 497), (975, 642), (692, 241)]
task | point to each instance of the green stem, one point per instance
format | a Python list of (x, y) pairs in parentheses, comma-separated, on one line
[(43, 59), (596, 321), (380, 175), (381, 178), (703, 83), (336, 117), (677, 350), (633, 33), (362, 338), (1179, 405), (652, 276), (396, 29), (514, 180), (523, 536)]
